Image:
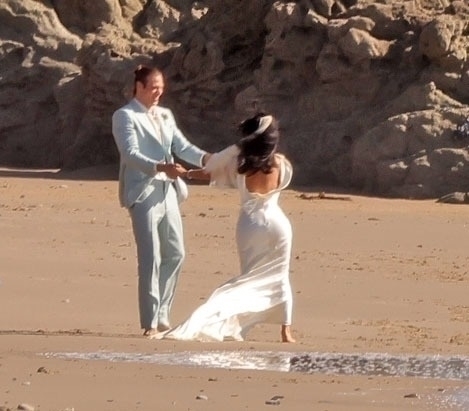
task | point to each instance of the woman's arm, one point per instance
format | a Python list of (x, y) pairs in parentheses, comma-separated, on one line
[(220, 168)]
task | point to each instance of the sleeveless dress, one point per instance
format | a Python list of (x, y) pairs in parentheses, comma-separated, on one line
[(262, 292)]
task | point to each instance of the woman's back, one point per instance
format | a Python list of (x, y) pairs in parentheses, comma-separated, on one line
[(260, 191), (263, 183)]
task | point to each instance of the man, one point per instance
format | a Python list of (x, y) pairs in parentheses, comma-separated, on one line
[(147, 136)]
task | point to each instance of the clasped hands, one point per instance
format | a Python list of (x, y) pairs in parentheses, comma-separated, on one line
[(172, 170)]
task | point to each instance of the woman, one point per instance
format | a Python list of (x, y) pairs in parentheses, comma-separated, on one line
[(262, 293)]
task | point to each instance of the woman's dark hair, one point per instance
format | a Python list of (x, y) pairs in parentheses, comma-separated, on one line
[(142, 73), (259, 144)]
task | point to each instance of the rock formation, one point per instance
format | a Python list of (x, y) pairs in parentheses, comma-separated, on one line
[(369, 94)]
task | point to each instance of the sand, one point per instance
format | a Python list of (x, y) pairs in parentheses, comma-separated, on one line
[(369, 276)]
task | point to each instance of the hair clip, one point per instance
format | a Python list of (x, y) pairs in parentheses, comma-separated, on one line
[(264, 124)]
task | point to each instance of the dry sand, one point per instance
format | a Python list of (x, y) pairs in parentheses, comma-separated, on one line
[(369, 275)]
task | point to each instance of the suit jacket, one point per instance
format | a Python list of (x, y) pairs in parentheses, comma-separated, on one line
[(140, 151)]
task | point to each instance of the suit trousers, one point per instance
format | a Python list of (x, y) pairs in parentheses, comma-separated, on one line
[(158, 231)]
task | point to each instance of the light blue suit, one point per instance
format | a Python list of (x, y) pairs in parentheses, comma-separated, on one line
[(152, 203)]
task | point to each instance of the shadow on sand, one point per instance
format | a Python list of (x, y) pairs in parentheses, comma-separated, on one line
[(98, 173)]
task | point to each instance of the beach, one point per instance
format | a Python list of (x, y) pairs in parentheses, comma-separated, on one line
[(369, 275)]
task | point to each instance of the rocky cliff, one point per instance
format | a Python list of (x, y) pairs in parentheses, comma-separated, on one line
[(369, 94)]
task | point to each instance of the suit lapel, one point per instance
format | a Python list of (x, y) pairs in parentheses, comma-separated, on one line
[(143, 118), (147, 124)]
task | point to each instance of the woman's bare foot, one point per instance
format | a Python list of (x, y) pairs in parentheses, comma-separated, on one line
[(286, 334)]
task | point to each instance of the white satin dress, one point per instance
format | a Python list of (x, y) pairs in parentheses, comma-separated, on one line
[(262, 292)]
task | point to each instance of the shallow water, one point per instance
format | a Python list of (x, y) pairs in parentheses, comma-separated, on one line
[(418, 366), (425, 366)]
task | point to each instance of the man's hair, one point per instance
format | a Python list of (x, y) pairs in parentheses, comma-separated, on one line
[(142, 73)]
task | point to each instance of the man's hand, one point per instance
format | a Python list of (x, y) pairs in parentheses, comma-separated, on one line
[(172, 170)]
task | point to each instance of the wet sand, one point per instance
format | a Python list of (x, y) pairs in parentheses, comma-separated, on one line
[(369, 276)]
